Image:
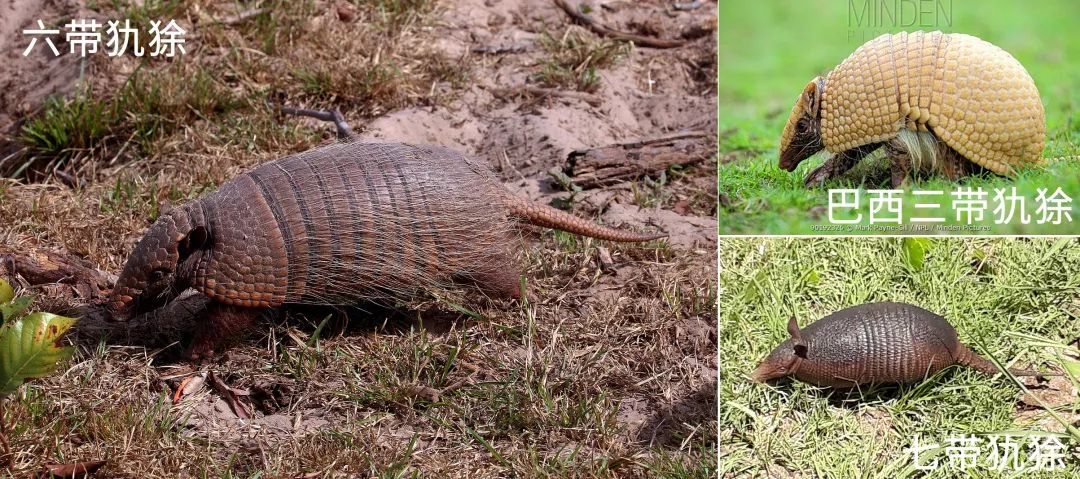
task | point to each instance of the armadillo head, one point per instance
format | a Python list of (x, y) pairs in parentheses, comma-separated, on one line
[(160, 267), (785, 359), (802, 134)]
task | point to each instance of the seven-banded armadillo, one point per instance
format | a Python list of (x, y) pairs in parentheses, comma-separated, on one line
[(937, 102), (347, 221), (879, 343)]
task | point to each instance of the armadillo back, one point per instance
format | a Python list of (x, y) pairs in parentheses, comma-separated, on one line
[(350, 220), (878, 342), (973, 95)]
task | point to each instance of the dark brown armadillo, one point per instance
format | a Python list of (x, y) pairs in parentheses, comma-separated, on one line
[(333, 225), (879, 343)]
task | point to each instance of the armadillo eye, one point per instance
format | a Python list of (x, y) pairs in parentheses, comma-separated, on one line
[(158, 274)]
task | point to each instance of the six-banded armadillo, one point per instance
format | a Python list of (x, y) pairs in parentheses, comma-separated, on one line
[(879, 343), (937, 102), (332, 225)]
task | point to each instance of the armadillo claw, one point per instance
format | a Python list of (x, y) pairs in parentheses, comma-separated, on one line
[(818, 177)]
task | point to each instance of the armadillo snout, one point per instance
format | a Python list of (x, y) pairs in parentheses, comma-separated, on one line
[(781, 362)]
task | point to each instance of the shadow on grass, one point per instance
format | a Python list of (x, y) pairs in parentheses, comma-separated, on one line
[(172, 327), (695, 409)]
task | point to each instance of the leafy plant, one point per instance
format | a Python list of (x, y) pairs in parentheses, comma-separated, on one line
[(915, 252), (28, 346)]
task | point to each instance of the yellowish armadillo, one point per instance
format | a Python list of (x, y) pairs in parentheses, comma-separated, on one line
[(938, 102)]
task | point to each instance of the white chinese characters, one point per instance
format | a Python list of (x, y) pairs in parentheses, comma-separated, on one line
[(84, 37), (964, 205), (998, 452)]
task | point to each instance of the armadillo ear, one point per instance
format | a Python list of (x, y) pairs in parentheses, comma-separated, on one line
[(196, 239), (793, 330), (812, 94), (796, 337)]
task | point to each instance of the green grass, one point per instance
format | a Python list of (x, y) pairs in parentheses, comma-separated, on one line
[(769, 51), (148, 106), (575, 58), (991, 290)]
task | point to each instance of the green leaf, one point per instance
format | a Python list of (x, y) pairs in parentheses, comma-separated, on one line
[(29, 349), (313, 341), (1072, 366), (6, 293), (9, 310), (752, 291), (915, 252)]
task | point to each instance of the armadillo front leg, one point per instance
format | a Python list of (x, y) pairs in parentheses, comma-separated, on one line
[(900, 162), (224, 324), (839, 164)]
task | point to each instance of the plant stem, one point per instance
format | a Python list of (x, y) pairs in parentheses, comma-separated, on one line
[(3, 435)]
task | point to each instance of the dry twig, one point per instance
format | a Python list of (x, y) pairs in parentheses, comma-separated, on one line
[(639, 40)]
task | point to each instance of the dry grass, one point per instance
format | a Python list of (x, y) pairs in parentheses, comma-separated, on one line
[(131, 112), (608, 371), (575, 57), (541, 388)]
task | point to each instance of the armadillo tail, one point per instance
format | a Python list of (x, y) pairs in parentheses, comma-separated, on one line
[(971, 359), (548, 217)]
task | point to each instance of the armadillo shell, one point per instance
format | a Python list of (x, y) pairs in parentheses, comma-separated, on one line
[(877, 343), (350, 220), (973, 95)]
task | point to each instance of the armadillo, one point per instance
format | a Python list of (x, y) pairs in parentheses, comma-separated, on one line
[(880, 343), (333, 225), (937, 102)]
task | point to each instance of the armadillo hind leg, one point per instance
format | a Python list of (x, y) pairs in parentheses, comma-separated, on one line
[(951, 165), (838, 164), (923, 153), (224, 324), (502, 282), (956, 166)]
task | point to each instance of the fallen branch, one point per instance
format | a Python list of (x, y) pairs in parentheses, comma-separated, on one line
[(227, 21), (73, 469), (682, 135), (335, 116), (229, 395), (241, 17), (614, 164), (608, 32), (694, 5), (70, 276), (69, 180), (500, 49), (589, 98)]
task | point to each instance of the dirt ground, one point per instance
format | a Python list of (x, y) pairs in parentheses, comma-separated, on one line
[(609, 369)]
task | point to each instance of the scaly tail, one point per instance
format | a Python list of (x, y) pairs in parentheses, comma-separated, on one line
[(971, 359), (548, 217)]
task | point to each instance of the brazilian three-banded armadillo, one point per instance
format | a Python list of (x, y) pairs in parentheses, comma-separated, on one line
[(333, 225), (948, 103), (879, 343)]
